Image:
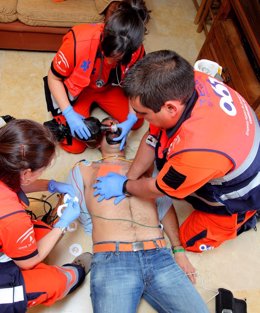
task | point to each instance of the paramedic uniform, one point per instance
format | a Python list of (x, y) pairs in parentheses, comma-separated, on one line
[(43, 284), (211, 158), (89, 78)]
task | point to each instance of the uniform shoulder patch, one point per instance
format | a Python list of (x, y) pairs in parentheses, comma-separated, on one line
[(173, 178)]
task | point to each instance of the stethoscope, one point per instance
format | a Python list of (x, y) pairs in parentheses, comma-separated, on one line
[(100, 82)]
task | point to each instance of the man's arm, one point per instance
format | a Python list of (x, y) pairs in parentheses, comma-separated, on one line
[(115, 185), (171, 227), (118, 186), (143, 188), (143, 160)]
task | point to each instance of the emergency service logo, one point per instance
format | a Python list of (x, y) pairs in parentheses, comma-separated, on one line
[(85, 65), (26, 240), (61, 61), (204, 247)]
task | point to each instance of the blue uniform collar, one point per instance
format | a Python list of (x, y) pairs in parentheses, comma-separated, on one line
[(185, 115)]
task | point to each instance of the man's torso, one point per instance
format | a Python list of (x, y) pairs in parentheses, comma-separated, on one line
[(131, 220)]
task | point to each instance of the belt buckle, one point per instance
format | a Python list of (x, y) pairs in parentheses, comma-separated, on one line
[(138, 245)]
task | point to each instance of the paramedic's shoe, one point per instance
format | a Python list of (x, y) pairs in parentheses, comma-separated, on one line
[(84, 260)]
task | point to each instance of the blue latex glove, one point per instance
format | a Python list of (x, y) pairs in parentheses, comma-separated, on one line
[(55, 186), (69, 214), (110, 186), (125, 127), (76, 124)]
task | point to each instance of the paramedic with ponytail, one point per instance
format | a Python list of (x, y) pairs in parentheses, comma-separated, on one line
[(204, 138), (26, 150), (89, 67)]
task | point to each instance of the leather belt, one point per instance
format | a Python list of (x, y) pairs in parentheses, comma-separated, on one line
[(129, 246)]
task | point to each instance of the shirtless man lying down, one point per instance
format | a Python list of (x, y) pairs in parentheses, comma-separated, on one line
[(130, 257)]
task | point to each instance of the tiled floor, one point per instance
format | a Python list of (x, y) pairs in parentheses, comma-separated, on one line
[(234, 265)]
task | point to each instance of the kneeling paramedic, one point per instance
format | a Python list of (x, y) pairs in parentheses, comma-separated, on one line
[(26, 149), (204, 138)]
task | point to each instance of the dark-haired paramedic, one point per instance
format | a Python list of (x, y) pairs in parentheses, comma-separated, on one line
[(88, 69)]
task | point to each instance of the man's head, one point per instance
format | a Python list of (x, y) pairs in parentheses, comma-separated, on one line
[(161, 80), (108, 145)]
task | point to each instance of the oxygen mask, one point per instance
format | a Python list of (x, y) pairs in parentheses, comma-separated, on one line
[(109, 126)]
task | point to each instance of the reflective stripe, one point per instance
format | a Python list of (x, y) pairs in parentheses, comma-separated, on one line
[(4, 258), (71, 282), (243, 191), (11, 295), (215, 203), (248, 161)]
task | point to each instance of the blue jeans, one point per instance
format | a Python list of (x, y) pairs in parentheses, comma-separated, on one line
[(120, 279)]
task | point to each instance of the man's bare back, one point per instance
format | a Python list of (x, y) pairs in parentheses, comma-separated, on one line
[(133, 219)]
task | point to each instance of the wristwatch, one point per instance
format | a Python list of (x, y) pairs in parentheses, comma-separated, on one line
[(125, 192)]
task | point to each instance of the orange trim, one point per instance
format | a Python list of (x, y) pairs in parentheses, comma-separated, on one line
[(129, 246)]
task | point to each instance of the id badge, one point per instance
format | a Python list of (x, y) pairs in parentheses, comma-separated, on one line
[(151, 141)]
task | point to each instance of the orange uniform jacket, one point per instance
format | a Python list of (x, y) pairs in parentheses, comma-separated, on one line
[(17, 239), (77, 56), (212, 160)]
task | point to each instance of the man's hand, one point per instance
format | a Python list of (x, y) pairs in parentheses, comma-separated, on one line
[(184, 263), (55, 186), (125, 129), (76, 124), (110, 186)]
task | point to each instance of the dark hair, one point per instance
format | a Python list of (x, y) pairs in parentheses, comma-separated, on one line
[(138, 5), (24, 144), (125, 29), (141, 8), (158, 77)]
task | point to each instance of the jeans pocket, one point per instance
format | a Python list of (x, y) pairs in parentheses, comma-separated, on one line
[(101, 258)]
